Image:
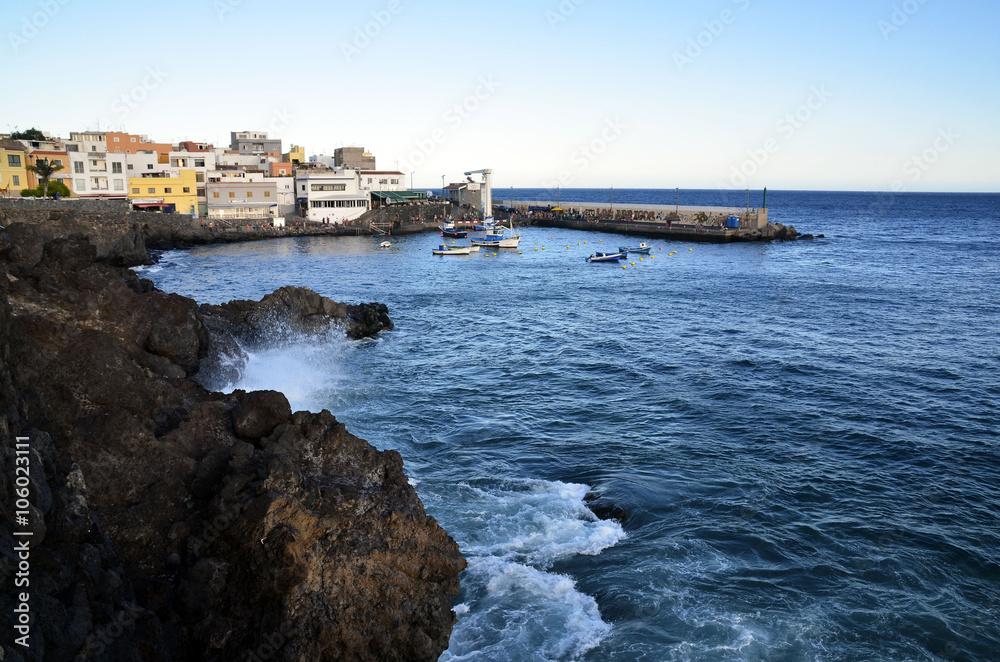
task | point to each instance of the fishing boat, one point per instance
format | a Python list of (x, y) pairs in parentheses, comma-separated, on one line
[(449, 230), (453, 250), (495, 236), (607, 257), (643, 249)]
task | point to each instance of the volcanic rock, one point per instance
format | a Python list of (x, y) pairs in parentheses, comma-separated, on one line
[(174, 523)]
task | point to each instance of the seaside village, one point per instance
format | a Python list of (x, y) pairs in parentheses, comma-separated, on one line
[(253, 179)]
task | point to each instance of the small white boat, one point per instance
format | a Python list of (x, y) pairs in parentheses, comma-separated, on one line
[(454, 250), (385, 244)]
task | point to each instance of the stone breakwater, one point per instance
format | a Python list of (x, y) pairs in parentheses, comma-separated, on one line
[(174, 523)]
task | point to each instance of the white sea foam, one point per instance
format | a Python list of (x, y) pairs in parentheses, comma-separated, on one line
[(513, 531), (525, 613), (536, 522), (302, 369)]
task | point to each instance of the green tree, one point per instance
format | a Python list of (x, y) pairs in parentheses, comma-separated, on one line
[(45, 170), (30, 134), (55, 186)]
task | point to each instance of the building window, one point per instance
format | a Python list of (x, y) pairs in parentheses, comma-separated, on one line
[(201, 193), (232, 194), (116, 139), (93, 163), (81, 184), (329, 187), (187, 189), (215, 194), (267, 194), (199, 177), (249, 194), (151, 190), (149, 166), (130, 166), (116, 168), (14, 160), (93, 148), (78, 167), (135, 191), (133, 139), (199, 163), (57, 162), (119, 185), (168, 190), (303, 187), (15, 180)]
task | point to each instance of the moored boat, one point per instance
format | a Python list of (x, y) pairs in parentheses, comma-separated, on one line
[(607, 257), (453, 250), (643, 249), (449, 230)]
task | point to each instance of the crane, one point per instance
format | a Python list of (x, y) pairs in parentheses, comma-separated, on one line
[(488, 195)]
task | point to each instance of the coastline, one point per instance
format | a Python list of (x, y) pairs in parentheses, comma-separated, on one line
[(171, 522)]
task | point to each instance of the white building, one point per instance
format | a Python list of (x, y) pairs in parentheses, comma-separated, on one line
[(323, 159), (330, 195), (224, 157), (235, 194), (95, 173), (285, 188), (382, 180)]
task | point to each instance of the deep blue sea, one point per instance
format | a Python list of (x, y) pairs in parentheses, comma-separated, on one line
[(805, 436)]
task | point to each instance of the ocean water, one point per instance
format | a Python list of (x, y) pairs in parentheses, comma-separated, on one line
[(804, 436)]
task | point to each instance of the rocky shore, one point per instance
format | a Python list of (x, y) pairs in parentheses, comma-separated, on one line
[(171, 522)]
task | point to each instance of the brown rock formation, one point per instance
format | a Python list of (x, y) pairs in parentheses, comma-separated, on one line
[(180, 524)]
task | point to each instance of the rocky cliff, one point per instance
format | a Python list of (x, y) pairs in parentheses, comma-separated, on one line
[(174, 523)]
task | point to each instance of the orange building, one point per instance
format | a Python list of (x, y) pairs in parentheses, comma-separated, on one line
[(61, 157), (129, 143), (279, 169)]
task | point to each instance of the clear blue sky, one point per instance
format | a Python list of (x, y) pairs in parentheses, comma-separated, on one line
[(627, 79)]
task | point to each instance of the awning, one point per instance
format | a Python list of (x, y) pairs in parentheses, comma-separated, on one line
[(398, 197)]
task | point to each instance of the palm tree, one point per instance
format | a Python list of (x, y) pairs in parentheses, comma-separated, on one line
[(45, 170)]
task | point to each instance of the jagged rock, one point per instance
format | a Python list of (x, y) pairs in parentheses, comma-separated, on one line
[(294, 311), (182, 524), (259, 413)]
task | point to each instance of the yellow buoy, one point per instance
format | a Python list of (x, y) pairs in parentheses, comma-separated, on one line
[(536, 250), (690, 249), (633, 264), (640, 259), (624, 267)]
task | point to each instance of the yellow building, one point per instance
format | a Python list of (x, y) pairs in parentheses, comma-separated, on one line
[(13, 168), (158, 189), (296, 155)]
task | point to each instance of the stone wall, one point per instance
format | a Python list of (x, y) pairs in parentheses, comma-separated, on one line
[(106, 223)]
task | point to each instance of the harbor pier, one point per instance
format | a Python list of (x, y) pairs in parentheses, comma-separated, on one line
[(683, 223)]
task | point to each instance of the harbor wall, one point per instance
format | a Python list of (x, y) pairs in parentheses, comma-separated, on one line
[(751, 218)]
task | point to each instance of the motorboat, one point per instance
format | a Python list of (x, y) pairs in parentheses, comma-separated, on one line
[(449, 230), (607, 257), (452, 250), (643, 249)]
